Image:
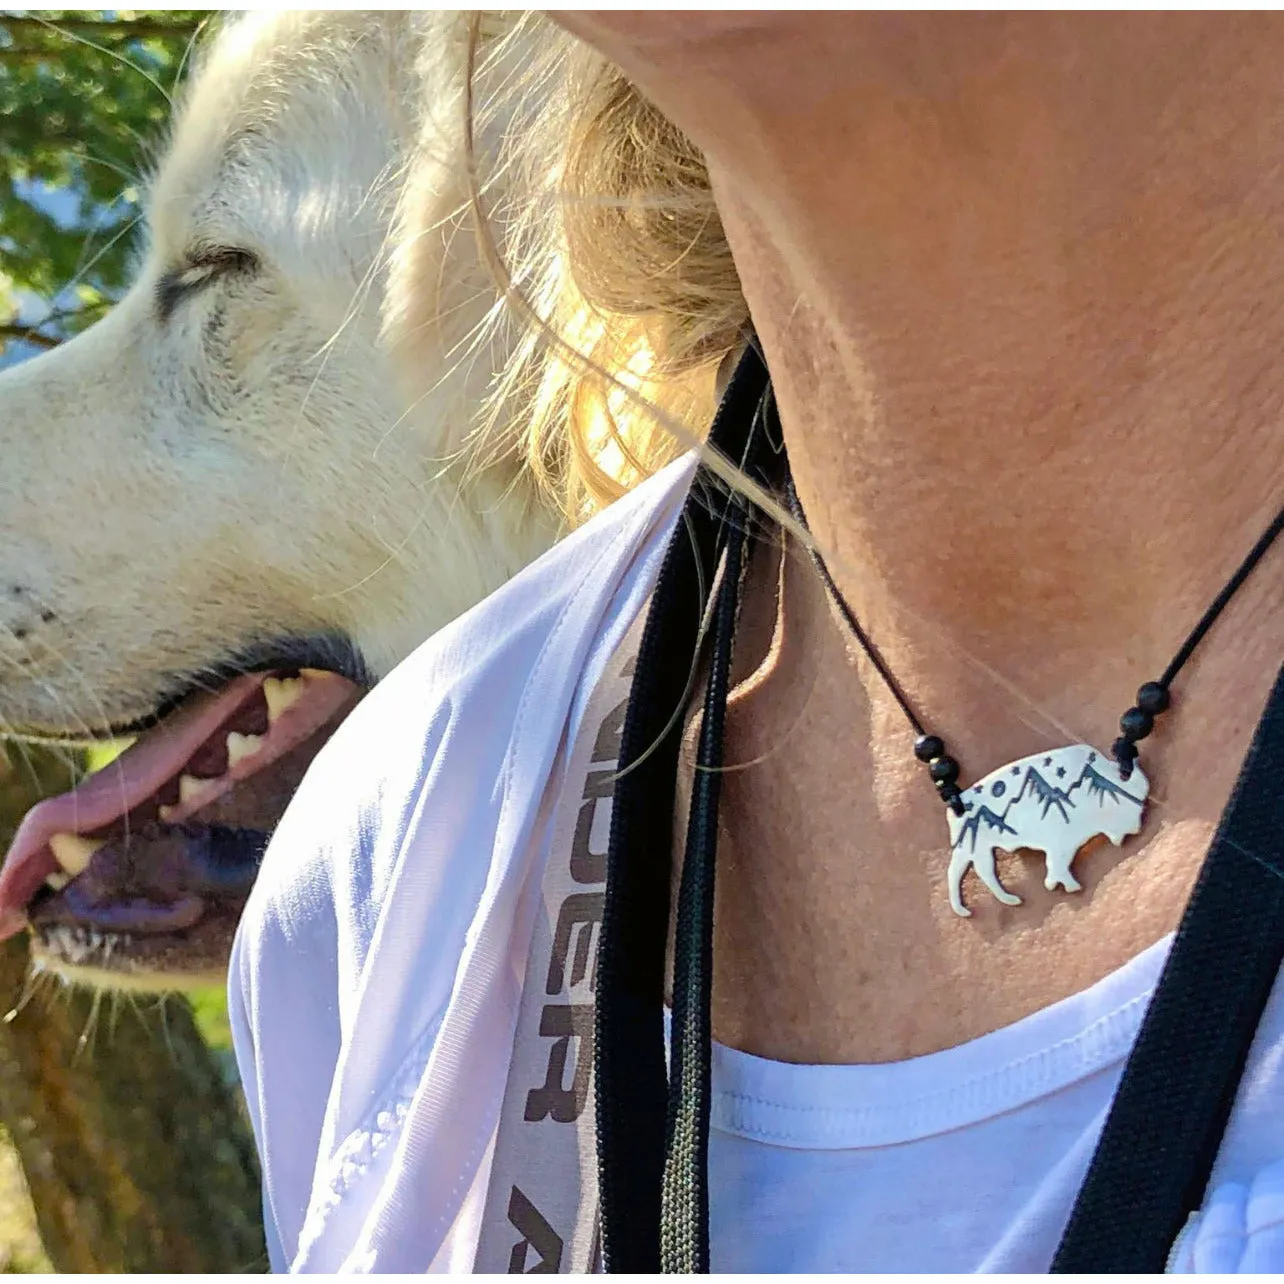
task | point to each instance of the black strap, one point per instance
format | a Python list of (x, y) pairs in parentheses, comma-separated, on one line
[(1152, 1164), (629, 1052), (684, 1215)]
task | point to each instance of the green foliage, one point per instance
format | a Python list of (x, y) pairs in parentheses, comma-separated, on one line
[(84, 97), (209, 1006), (99, 755)]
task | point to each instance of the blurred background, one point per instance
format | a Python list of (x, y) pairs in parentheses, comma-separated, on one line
[(123, 1140)]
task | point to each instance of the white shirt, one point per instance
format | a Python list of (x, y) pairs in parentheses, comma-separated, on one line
[(378, 973)]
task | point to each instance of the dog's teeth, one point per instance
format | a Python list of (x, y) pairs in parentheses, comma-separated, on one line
[(241, 746), (58, 880), (165, 813), (280, 694), (74, 851), (188, 788)]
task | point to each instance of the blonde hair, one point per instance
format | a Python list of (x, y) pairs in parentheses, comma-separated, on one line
[(619, 278)]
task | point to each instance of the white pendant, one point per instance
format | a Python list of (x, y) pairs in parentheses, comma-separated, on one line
[(1050, 802)]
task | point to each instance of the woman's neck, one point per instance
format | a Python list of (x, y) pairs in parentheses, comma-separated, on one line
[(1018, 285), (1024, 309)]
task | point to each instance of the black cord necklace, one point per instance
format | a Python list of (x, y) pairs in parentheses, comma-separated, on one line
[(1055, 801), (653, 1105)]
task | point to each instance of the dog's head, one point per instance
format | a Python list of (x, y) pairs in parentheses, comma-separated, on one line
[(240, 498)]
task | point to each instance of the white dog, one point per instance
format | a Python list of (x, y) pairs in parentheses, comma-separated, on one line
[(246, 493)]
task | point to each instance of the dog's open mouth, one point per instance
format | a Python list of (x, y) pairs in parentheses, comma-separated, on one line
[(143, 869)]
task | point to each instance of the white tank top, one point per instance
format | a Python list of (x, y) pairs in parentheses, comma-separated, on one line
[(969, 1159)]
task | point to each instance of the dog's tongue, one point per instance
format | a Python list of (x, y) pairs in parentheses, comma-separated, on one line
[(110, 793)]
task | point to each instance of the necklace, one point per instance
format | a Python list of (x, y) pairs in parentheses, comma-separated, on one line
[(1055, 801), (654, 1096)]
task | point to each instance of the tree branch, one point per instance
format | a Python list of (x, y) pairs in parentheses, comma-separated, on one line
[(126, 28), (27, 335), (12, 54)]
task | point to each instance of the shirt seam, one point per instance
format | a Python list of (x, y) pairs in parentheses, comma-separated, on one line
[(1109, 1026), (352, 1157)]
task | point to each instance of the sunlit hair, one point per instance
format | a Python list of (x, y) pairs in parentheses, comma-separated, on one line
[(610, 251)]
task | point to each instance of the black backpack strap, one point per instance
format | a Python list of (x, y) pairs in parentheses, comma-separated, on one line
[(629, 1047), (1152, 1163), (684, 1215)]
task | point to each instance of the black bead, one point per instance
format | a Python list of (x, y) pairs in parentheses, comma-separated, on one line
[(951, 795), (1125, 753), (928, 747), (944, 771), (1136, 724), (1152, 698)]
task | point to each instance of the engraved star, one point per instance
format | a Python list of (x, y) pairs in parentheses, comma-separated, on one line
[(1047, 762), (1061, 771), (1016, 771)]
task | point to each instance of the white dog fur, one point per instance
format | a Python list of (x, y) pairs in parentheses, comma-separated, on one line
[(239, 451)]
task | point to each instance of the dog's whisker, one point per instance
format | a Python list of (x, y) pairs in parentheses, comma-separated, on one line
[(31, 982), (114, 1014), (162, 1006), (342, 350), (85, 1042), (82, 272), (187, 54), (77, 38)]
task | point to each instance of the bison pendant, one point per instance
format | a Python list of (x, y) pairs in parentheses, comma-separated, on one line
[(1050, 802)]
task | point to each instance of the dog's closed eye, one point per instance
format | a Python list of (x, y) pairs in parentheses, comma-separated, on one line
[(198, 270)]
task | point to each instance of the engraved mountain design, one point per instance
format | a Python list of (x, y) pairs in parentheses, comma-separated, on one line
[(1048, 797), (1025, 805), (991, 821), (1098, 784)]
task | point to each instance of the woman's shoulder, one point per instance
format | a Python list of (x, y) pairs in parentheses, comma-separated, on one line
[(466, 688), (477, 701), (409, 839), (545, 604)]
